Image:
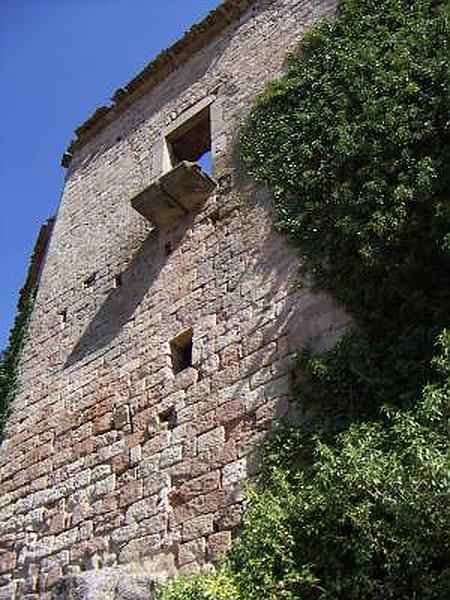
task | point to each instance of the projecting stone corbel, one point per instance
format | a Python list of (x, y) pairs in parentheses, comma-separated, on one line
[(176, 193)]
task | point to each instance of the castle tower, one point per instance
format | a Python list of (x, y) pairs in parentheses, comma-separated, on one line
[(166, 316)]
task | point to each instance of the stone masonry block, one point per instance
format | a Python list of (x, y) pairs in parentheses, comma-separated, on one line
[(131, 492), (218, 544), (197, 527), (170, 456), (211, 439), (191, 551), (143, 509), (234, 472), (121, 416)]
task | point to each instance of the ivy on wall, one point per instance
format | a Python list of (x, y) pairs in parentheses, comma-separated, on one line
[(9, 362), (354, 144), (10, 357)]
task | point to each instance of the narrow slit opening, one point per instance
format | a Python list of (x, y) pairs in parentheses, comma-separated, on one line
[(89, 281), (181, 351), (169, 417)]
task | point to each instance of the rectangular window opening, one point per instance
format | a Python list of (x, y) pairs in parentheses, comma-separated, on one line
[(181, 351), (192, 141)]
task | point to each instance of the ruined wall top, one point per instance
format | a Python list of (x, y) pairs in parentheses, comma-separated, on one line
[(158, 69)]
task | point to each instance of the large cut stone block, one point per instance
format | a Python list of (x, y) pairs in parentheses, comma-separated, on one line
[(174, 194), (107, 584)]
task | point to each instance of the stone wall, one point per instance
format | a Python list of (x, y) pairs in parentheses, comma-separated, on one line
[(111, 460)]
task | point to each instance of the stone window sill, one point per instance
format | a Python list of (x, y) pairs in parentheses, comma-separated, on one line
[(175, 194)]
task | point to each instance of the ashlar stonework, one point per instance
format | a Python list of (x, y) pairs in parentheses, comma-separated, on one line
[(158, 355)]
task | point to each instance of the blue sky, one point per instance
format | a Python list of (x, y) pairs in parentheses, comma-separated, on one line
[(59, 60)]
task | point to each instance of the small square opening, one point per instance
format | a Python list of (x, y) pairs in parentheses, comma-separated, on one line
[(168, 417), (192, 141), (181, 351), (89, 281)]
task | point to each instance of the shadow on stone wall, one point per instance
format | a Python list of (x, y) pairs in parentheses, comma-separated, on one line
[(289, 311), (121, 303)]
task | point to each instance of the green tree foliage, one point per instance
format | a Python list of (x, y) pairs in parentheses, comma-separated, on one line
[(367, 517), (205, 586)]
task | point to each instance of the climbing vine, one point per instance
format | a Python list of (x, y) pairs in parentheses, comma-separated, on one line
[(10, 357), (354, 145)]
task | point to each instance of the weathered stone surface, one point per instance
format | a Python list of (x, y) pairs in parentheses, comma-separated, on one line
[(234, 472), (121, 416), (218, 544), (191, 552), (211, 439), (157, 206), (107, 585), (174, 194), (135, 588), (197, 527), (113, 464)]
